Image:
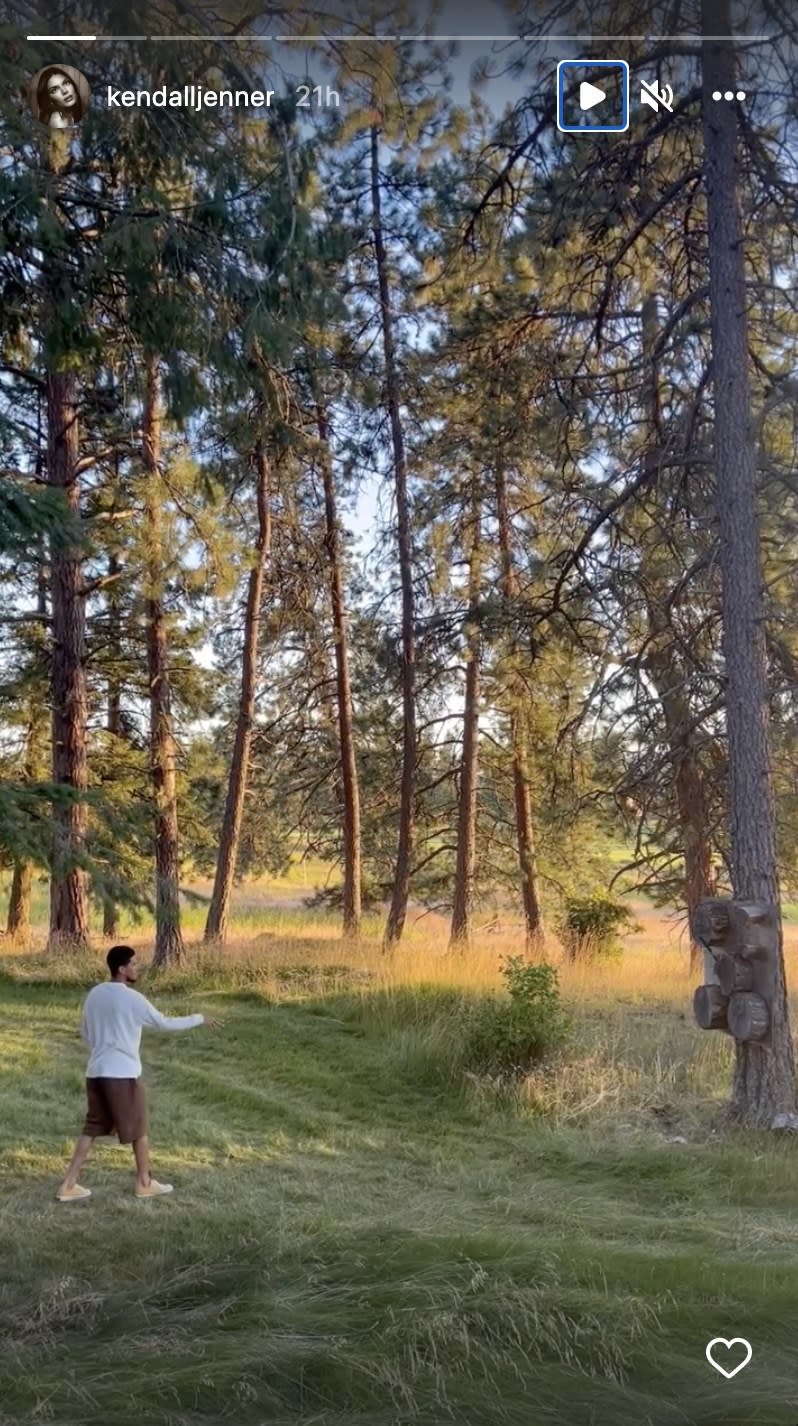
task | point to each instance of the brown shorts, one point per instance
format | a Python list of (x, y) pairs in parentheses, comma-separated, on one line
[(116, 1105)]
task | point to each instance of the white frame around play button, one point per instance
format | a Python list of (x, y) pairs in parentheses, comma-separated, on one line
[(591, 95)]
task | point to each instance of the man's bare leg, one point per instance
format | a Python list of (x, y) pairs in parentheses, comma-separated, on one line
[(141, 1151), (79, 1157), (146, 1185)]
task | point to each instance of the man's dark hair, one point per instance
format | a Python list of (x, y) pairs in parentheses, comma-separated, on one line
[(119, 956)]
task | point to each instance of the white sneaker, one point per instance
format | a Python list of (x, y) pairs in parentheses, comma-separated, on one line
[(73, 1195), (154, 1189)]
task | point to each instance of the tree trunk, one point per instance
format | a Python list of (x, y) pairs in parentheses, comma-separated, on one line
[(18, 920), (525, 835), (350, 784), (168, 936), (400, 896), (35, 770), (519, 742), (219, 910), (19, 901), (69, 901), (688, 776), (764, 1080), (663, 663), (461, 931), (114, 715)]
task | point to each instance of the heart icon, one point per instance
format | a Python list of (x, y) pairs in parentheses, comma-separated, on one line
[(728, 1343)]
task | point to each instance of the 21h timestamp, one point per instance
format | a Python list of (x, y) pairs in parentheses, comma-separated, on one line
[(317, 96)]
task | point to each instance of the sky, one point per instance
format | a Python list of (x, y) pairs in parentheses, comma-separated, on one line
[(374, 500)]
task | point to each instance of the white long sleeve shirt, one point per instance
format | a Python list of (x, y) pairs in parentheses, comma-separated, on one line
[(114, 1016)]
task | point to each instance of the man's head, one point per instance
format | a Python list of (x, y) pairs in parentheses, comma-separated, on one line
[(121, 962)]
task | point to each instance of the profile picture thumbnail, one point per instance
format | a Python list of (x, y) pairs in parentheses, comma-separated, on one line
[(59, 96)]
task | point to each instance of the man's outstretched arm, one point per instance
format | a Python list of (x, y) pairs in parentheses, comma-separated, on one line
[(156, 1021)]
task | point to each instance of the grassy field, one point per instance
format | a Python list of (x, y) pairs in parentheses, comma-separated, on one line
[(360, 1236)]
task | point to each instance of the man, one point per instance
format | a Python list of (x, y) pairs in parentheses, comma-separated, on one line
[(113, 1017)]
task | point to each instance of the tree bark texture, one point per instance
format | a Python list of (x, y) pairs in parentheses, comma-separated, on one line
[(764, 1080)]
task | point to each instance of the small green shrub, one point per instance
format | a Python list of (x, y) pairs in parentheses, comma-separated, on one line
[(590, 925), (511, 1034)]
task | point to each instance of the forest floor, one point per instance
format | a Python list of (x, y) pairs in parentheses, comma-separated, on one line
[(358, 1239)]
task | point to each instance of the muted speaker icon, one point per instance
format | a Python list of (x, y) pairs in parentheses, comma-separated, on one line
[(656, 96)]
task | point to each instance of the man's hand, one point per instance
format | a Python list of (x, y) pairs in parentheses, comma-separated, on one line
[(211, 1023)]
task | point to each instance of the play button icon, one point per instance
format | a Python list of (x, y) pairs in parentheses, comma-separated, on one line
[(590, 95)]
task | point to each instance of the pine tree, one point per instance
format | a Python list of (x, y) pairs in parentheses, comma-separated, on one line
[(764, 1082)]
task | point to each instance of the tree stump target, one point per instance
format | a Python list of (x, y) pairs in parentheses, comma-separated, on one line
[(741, 968), (709, 1008), (734, 974), (748, 1016)]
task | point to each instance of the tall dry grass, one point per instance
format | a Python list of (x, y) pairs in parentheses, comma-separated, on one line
[(298, 953)]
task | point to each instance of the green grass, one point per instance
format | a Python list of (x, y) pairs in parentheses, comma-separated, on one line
[(357, 1240)]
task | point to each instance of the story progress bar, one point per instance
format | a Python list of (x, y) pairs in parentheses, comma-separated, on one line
[(393, 39)]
